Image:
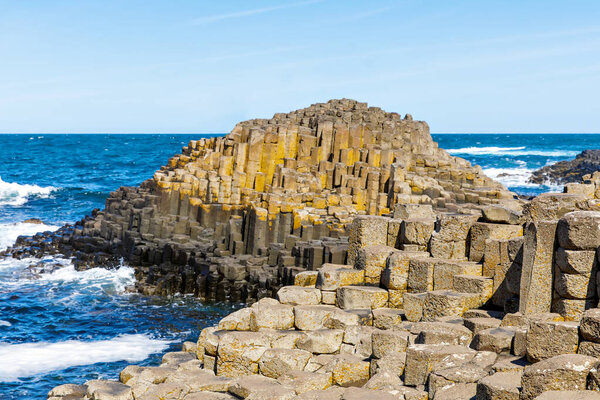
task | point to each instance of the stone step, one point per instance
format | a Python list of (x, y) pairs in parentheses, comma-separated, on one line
[(431, 305)]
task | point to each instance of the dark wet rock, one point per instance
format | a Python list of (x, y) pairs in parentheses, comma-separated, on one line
[(587, 162)]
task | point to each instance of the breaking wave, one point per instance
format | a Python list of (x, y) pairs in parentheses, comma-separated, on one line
[(15, 194), (10, 232), (517, 177), (512, 151)]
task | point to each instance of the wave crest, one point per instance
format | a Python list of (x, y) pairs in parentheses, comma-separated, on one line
[(511, 151), (15, 194), (27, 359), (10, 232), (517, 177)]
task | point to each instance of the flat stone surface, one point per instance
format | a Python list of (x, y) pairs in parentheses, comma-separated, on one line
[(547, 339), (564, 372), (349, 297)]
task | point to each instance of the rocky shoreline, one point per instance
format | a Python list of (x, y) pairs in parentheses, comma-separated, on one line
[(563, 172), (372, 262)]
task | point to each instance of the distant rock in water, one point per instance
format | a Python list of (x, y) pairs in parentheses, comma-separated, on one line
[(587, 162), (33, 221)]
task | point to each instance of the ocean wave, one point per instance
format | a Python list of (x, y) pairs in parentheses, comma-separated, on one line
[(58, 271), (10, 232), (27, 359), (517, 177), (512, 151), (15, 194), (113, 280)]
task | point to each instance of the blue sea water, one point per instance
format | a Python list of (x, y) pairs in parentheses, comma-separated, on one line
[(510, 158), (64, 326)]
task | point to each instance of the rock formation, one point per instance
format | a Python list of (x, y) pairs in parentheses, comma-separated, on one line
[(383, 268), (587, 162), (234, 217)]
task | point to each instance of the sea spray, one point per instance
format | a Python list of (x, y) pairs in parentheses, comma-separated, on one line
[(15, 194)]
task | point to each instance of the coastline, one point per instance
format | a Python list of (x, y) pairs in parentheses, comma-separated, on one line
[(352, 271)]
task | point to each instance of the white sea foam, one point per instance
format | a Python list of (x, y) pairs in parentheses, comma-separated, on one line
[(10, 232), (511, 151), (27, 359), (16, 194), (107, 279), (5, 323), (517, 177), (483, 150), (94, 279)]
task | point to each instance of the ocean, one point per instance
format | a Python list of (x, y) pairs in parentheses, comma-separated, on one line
[(58, 325)]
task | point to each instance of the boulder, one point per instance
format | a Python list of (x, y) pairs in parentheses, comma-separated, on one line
[(552, 206), (576, 261), (372, 260), (563, 372), (392, 363), (444, 303), (177, 357), (417, 231), (303, 381), (579, 230), (67, 391), (590, 325), (261, 388), (332, 276), (502, 215), (387, 318), (365, 231), (383, 380), (420, 274), (322, 341), (440, 333), (236, 321), (389, 342), (165, 390), (269, 313), (347, 370), (498, 340), (296, 295), (444, 272), (306, 278), (481, 231), (99, 389), (546, 339), (276, 362), (349, 297), (421, 358), (413, 306), (478, 324), (500, 386)]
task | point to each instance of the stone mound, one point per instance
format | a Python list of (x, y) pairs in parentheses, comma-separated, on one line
[(224, 217)]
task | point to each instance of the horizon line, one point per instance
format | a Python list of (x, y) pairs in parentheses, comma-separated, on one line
[(225, 133)]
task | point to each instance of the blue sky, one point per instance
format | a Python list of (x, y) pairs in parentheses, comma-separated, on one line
[(201, 66)]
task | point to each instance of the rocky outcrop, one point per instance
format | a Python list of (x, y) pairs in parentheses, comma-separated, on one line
[(235, 217), (563, 172), (378, 291), (366, 345)]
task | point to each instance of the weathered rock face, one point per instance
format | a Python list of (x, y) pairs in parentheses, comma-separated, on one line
[(235, 217), (563, 172), (424, 302)]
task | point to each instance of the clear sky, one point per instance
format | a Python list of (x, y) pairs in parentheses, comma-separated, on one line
[(201, 66)]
